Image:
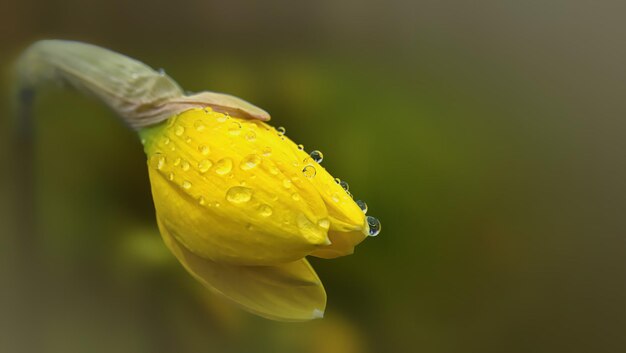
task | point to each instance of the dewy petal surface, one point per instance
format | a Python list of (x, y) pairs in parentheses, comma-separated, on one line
[(232, 190), (287, 292)]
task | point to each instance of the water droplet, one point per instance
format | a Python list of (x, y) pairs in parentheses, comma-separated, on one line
[(362, 205), (317, 156), (184, 165), (344, 185), (295, 196), (204, 165), (158, 161), (239, 194), (301, 147), (205, 150), (177, 162), (281, 130), (287, 183), (186, 185), (202, 201), (224, 166), (309, 171), (250, 162), (250, 136), (265, 210), (349, 194), (335, 197), (234, 128), (373, 226), (267, 151), (170, 176), (199, 125), (179, 130), (222, 118), (161, 71), (166, 141), (273, 170), (324, 223)]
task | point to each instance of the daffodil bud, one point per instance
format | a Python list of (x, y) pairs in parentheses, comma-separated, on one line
[(237, 202), (237, 191)]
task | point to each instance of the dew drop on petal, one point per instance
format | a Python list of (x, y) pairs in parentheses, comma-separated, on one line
[(204, 165), (186, 185), (344, 185), (179, 130), (295, 196), (224, 166), (301, 147), (267, 151), (324, 223), (309, 171), (265, 210), (157, 161), (199, 125), (177, 162), (239, 194), (222, 118), (281, 130), (335, 197), (250, 136), (373, 226), (166, 141), (274, 170), (250, 161), (234, 128), (287, 183), (170, 176), (184, 165), (204, 149), (362, 205), (202, 201), (317, 156)]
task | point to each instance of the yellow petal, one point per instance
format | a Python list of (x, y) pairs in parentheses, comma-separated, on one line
[(288, 292), (343, 244)]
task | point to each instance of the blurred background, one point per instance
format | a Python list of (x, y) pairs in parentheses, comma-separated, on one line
[(488, 137)]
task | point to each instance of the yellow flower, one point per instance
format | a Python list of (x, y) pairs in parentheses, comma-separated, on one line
[(240, 205), (237, 202)]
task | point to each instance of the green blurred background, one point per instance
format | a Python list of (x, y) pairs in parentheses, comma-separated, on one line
[(488, 137)]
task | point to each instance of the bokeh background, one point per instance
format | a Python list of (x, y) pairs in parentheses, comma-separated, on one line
[(487, 136)]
